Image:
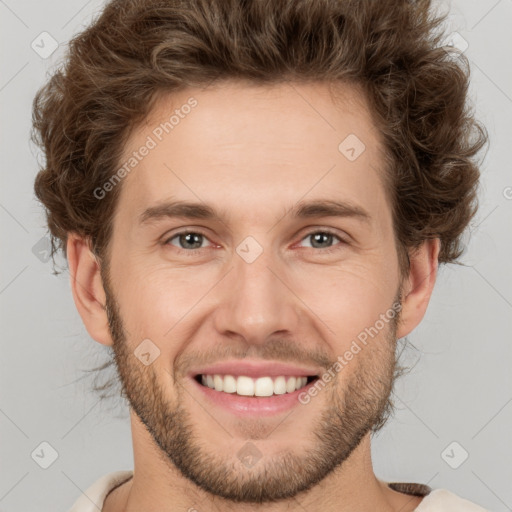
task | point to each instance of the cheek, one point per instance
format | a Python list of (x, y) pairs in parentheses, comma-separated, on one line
[(149, 304), (348, 300), (158, 303)]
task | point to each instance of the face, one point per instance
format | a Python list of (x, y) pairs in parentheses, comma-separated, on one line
[(267, 283)]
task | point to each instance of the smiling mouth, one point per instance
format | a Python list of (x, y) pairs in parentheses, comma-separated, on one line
[(243, 385)]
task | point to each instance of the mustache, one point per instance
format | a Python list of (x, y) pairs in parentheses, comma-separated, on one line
[(279, 349)]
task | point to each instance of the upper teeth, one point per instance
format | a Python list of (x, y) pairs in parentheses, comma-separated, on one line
[(247, 386)]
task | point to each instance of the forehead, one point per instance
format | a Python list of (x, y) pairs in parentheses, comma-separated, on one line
[(250, 147)]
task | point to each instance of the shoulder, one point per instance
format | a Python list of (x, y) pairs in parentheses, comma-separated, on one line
[(442, 500), (93, 498)]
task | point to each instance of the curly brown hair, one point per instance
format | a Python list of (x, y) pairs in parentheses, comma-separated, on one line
[(136, 49)]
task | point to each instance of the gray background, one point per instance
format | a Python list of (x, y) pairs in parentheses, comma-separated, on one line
[(459, 390)]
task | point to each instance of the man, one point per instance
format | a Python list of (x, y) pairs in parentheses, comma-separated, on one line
[(253, 199)]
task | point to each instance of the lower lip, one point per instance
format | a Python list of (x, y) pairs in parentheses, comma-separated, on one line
[(252, 405)]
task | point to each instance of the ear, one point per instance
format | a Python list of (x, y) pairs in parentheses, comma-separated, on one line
[(87, 288), (418, 286)]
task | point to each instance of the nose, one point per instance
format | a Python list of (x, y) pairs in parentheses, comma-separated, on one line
[(257, 301)]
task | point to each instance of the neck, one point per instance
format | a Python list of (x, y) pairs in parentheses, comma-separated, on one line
[(156, 483)]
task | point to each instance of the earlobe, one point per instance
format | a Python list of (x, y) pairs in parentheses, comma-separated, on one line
[(419, 285), (87, 288)]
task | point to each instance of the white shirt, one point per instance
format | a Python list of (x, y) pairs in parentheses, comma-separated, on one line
[(436, 500)]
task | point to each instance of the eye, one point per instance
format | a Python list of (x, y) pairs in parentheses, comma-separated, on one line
[(322, 240), (187, 240), (190, 241)]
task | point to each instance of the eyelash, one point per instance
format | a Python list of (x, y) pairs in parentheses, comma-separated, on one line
[(328, 250)]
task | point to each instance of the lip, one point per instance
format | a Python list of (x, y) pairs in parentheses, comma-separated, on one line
[(255, 369), (243, 406)]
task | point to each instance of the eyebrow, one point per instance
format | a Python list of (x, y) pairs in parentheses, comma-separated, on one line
[(302, 210)]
